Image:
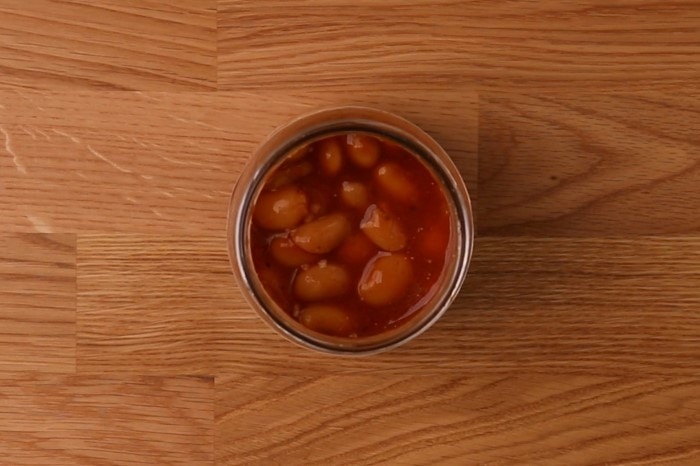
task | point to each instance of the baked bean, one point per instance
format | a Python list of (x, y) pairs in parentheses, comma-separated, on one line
[(356, 249), (350, 234), (394, 181), (323, 234), (288, 254), (321, 281), (385, 280), (363, 150), (290, 174), (354, 194), (324, 318), (280, 209), (320, 198), (330, 156), (383, 229)]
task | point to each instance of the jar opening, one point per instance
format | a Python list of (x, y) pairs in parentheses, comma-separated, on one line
[(304, 131)]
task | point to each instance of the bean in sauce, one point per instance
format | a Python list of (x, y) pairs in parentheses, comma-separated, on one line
[(349, 235)]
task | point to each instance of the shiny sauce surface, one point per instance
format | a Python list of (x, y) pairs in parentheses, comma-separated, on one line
[(349, 235)]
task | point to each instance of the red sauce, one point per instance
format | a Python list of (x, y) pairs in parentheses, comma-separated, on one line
[(350, 234)]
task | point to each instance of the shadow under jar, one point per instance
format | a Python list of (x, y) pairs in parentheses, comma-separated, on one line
[(350, 230)]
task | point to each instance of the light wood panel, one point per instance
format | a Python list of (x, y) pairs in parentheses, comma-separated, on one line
[(594, 306), (37, 302), (102, 421), (154, 304), (124, 125), (110, 44), (454, 420), (165, 162), (546, 45), (582, 165)]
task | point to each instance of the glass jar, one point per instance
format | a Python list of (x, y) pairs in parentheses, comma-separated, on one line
[(318, 124)]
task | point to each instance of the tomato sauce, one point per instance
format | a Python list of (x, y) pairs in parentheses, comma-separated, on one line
[(350, 234)]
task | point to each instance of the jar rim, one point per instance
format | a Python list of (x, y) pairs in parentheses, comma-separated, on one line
[(301, 131)]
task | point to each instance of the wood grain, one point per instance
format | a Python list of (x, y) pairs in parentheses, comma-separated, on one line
[(582, 165), (154, 304), (456, 420), (167, 305), (103, 421), (164, 162), (545, 46), (37, 303), (111, 44), (124, 339)]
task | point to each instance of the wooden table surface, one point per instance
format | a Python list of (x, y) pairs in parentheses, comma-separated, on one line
[(124, 125)]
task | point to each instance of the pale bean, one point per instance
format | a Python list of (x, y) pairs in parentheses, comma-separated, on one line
[(323, 234), (385, 279), (289, 174), (280, 209), (354, 194), (362, 149), (330, 156), (287, 253), (321, 281), (356, 249), (383, 229), (394, 181), (320, 197), (327, 319)]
